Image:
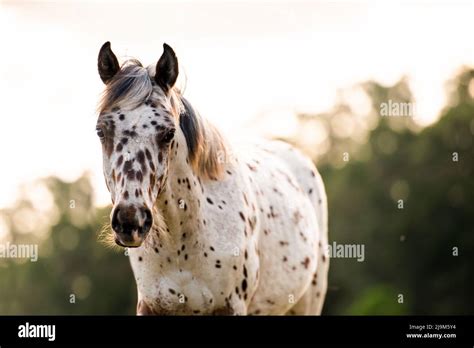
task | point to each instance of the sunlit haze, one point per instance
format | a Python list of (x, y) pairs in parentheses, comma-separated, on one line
[(241, 61)]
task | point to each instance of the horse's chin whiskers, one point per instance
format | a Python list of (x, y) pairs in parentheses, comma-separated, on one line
[(107, 238)]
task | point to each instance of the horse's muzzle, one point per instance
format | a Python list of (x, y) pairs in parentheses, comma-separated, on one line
[(131, 225)]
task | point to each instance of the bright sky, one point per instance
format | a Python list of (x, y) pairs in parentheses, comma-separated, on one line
[(242, 59)]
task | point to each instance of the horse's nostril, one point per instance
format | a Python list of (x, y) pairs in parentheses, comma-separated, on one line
[(115, 220), (148, 220)]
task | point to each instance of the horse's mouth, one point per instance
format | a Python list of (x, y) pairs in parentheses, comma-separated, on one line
[(129, 241)]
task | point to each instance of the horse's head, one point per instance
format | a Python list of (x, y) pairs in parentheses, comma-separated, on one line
[(136, 126)]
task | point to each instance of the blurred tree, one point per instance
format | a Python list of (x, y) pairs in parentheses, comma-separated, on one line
[(72, 265), (410, 251)]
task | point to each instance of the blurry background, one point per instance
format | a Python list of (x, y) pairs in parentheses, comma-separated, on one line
[(312, 73)]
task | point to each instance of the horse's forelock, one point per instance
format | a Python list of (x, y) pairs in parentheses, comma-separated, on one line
[(134, 85), (130, 87)]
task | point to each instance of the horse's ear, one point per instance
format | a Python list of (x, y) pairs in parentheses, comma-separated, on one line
[(107, 63), (167, 69)]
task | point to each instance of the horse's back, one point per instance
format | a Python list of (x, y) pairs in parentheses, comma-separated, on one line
[(308, 177), (313, 299), (292, 222)]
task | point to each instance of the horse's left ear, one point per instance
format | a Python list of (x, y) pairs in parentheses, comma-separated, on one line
[(107, 63), (167, 69)]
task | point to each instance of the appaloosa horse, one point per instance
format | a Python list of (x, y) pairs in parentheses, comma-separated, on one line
[(212, 229)]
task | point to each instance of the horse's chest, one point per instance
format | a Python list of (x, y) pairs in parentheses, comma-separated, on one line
[(212, 264), (202, 281)]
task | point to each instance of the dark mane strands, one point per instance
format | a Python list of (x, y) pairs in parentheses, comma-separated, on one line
[(130, 87), (207, 150), (189, 124)]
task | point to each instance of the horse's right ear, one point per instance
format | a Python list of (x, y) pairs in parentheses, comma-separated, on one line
[(107, 63), (167, 69)]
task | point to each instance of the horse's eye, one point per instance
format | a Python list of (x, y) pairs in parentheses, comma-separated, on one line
[(168, 136), (100, 133)]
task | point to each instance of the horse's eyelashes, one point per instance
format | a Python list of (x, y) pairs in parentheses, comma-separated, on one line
[(100, 133), (169, 135)]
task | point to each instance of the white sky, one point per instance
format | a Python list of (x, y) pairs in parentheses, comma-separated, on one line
[(242, 59)]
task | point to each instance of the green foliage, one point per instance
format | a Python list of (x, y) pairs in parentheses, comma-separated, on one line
[(408, 251), (71, 261), (377, 300)]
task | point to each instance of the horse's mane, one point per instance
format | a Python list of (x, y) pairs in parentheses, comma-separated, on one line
[(134, 85)]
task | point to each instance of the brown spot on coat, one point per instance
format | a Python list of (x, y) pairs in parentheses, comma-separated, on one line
[(306, 262), (141, 157), (148, 154), (120, 161)]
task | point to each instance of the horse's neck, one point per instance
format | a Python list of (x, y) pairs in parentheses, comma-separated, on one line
[(180, 201)]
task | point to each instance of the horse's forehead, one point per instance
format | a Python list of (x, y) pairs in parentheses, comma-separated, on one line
[(145, 119)]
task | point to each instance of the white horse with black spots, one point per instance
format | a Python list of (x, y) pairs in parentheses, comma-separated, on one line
[(211, 228)]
